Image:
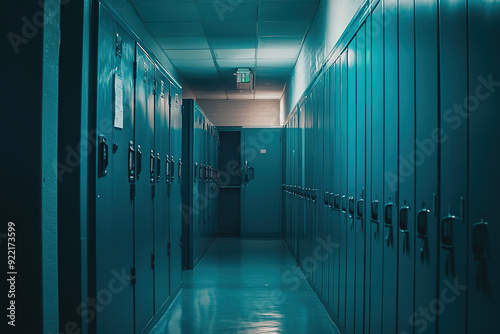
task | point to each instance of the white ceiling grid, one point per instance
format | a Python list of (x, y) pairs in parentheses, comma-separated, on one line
[(207, 39)]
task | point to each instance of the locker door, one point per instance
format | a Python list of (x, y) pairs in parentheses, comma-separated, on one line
[(301, 221), (144, 189), (114, 205), (338, 290), (175, 187), (453, 165), (359, 208), (343, 189), (197, 201), (406, 171), (327, 174), (376, 205), (161, 207), (351, 187), (426, 255), (390, 217), (320, 166), (484, 164), (368, 183)]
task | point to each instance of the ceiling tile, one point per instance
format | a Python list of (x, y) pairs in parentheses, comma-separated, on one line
[(283, 28), (278, 53), (200, 71), (283, 63), (280, 42), (299, 11), (231, 42), (230, 28), (191, 28), (234, 63), (167, 12), (282, 72), (234, 53), (189, 54), (224, 11), (193, 63), (186, 43)]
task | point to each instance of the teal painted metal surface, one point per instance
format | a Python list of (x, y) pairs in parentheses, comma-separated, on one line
[(200, 185), (402, 200), (261, 198), (245, 286)]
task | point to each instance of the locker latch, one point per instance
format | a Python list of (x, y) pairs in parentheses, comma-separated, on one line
[(359, 208), (152, 166), (388, 221), (103, 156), (167, 170), (403, 225), (447, 243), (158, 167), (139, 161), (422, 230), (374, 213), (131, 161), (351, 206), (336, 202), (479, 250)]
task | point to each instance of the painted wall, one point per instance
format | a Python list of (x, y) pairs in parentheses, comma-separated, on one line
[(245, 113), (331, 19)]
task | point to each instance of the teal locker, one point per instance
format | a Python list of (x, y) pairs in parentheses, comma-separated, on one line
[(426, 160), (483, 251), (390, 178), (406, 171), (115, 175), (175, 187), (377, 173), (350, 192), (144, 189), (161, 257), (359, 195)]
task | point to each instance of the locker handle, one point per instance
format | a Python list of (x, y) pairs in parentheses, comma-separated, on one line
[(131, 161), (103, 155), (139, 161), (152, 166), (330, 200), (447, 243), (167, 170), (344, 204), (172, 169), (179, 169), (314, 195), (403, 226), (336, 202), (374, 213), (351, 206), (325, 198), (388, 214), (359, 208), (422, 230), (158, 167), (195, 170), (200, 171), (479, 240)]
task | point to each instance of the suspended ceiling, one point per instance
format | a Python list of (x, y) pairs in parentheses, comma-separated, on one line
[(207, 39)]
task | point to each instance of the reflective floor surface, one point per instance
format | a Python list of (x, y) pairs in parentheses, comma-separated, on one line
[(246, 286)]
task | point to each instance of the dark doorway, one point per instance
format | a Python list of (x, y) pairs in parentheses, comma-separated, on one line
[(230, 183)]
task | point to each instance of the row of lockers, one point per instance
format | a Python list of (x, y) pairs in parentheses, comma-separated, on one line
[(200, 189), (138, 183), (391, 172)]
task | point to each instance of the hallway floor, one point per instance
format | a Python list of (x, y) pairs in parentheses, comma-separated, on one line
[(245, 286)]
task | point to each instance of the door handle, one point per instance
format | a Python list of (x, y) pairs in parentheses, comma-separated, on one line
[(351, 206), (336, 202), (179, 170), (422, 230), (152, 166), (374, 212), (172, 169), (359, 208), (330, 200), (388, 221), (103, 159), (158, 167), (403, 225), (167, 170), (447, 243), (479, 249), (139, 161), (314, 194), (195, 171), (325, 198), (131, 161)]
